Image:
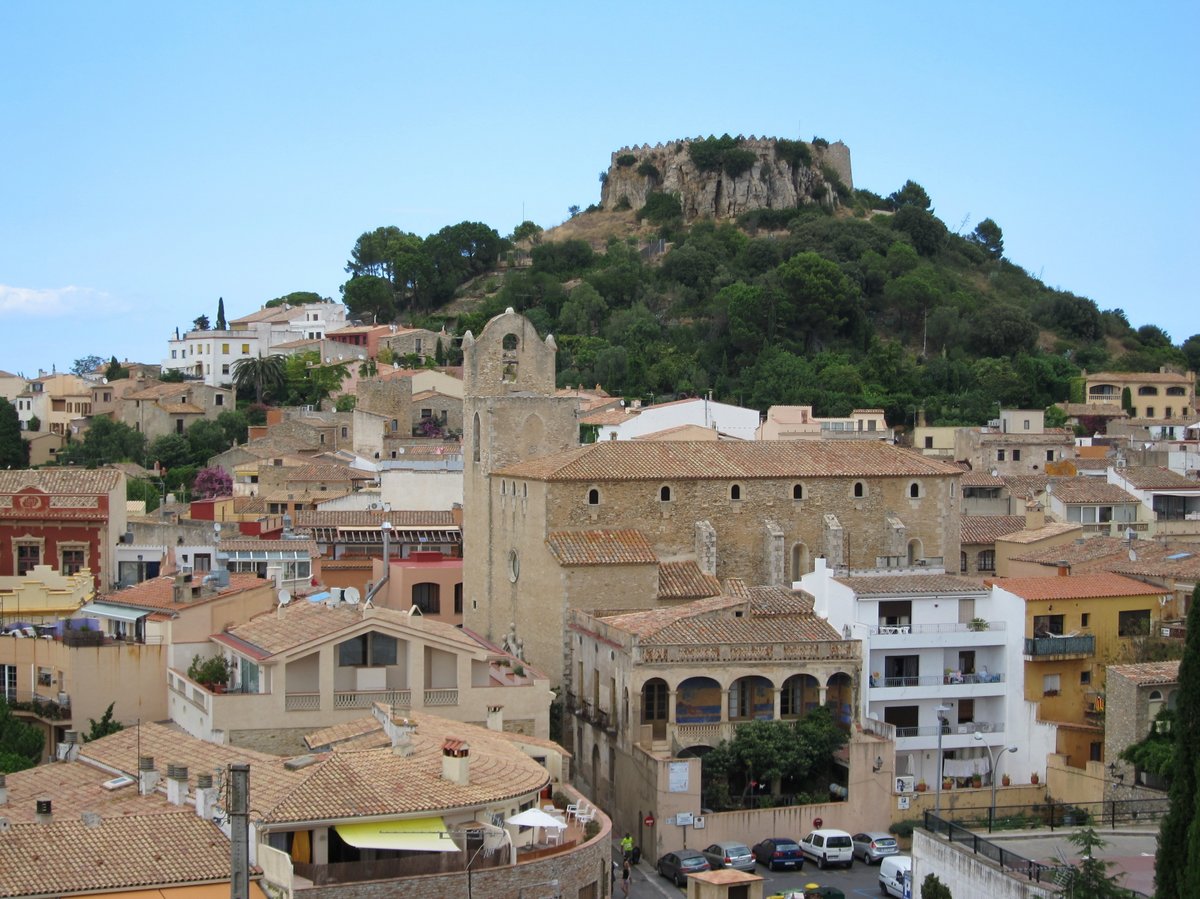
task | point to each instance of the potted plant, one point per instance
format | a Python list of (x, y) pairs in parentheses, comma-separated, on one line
[(947, 783), (1006, 781), (977, 781), (1033, 778), (978, 624), (212, 672), (922, 786)]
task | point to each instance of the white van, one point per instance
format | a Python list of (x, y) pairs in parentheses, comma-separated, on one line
[(893, 872), (829, 847)]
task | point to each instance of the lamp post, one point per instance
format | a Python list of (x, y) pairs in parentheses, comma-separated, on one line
[(937, 796), (994, 759)]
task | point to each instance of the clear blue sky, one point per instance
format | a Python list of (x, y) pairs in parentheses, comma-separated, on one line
[(156, 156)]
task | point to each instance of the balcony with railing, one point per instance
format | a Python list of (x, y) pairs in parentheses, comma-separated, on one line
[(43, 706), (953, 685), (945, 634), (1074, 647)]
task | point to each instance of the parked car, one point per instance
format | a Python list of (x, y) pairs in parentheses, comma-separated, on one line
[(677, 865), (828, 847), (874, 845), (729, 855), (893, 872), (779, 852)]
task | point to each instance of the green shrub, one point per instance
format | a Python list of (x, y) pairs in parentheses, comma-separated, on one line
[(623, 204), (591, 829), (738, 162), (560, 799), (820, 143), (904, 829), (661, 208), (795, 152), (830, 174), (625, 160), (648, 170)]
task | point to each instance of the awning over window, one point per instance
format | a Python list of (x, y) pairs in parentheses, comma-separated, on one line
[(117, 613), (414, 834)]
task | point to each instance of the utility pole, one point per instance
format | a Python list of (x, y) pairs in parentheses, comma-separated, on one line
[(239, 831)]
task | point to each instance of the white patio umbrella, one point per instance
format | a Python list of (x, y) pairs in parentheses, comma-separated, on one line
[(535, 817)]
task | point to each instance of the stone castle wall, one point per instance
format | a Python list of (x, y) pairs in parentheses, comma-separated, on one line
[(771, 183)]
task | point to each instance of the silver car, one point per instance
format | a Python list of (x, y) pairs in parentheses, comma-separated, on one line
[(874, 846), (729, 855)]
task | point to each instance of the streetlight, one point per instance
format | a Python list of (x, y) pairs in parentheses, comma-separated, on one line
[(994, 759), (937, 796)]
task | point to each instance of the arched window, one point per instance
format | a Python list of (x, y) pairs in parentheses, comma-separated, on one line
[(797, 491), (735, 492), (916, 552), (593, 497), (664, 493), (860, 489), (511, 341), (914, 490), (801, 565)]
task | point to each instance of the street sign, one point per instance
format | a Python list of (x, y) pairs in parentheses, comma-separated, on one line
[(648, 820)]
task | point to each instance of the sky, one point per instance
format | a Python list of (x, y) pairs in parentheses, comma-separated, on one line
[(157, 156)]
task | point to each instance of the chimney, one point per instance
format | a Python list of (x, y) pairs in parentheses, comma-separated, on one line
[(456, 761), (1035, 516), (68, 749), (1064, 568), (3, 791), (179, 588), (147, 775), (206, 796), (399, 730), (44, 814), (177, 784), (495, 717)]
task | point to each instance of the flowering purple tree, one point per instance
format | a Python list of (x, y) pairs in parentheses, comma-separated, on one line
[(212, 482)]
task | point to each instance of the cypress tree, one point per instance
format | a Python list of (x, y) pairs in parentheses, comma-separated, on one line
[(14, 451), (1179, 837), (221, 325)]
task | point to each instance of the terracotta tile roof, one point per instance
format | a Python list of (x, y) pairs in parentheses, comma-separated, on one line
[(1178, 562), (60, 480), (158, 392), (1105, 410), (609, 417), (431, 393), (168, 745), (118, 853), (181, 408), (981, 479), (1046, 531), (1089, 490), (1159, 377), (159, 592), (611, 460), (1077, 586), (302, 622), (369, 518), (1084, 464), (897, 584), (1050, 436), (354, 783), (253, 544), (986, 528), (267, 314), (1079, 552), (1148, 674), (767, 615), (685, 580), (250, 505), (74, 788), (685, 432), (624, 547), (295, 344), (1025, 485), (1155, 478), (327, 471)]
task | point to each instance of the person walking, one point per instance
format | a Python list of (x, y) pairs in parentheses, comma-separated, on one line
[(626, 874), (626, 846)]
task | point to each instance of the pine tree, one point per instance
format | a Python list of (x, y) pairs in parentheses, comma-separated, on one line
[(221, 324), (1179, 837), (14, 451)]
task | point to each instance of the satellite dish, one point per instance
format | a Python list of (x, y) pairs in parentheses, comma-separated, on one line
[(1133, 555), (216, 527), (285, 596), (351, 596)]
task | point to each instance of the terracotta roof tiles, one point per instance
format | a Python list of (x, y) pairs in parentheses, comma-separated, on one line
[(1148, 674), (685, 580), (986, 528), (1078, 586), (1147, 477), (1089, 490), (906, 584), (620, 547), (1046, 531), (60, 480), (705, 460)]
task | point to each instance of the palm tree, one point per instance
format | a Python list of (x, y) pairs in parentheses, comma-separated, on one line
[(263, 373)]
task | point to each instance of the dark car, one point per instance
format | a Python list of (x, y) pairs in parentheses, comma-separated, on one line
[(677, 865), (779, 852)]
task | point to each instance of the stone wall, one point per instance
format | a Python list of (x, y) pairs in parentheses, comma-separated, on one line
[(771, 183), (968, 876)]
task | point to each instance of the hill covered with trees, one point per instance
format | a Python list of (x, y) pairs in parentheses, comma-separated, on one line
[(854, 300)]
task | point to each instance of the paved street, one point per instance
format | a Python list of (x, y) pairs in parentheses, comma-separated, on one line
[(857, 881)]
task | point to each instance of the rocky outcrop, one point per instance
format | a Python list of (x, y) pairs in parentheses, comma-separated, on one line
[(771, 182)]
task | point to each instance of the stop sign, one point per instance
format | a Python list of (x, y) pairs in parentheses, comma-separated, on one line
[(649, 820)]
